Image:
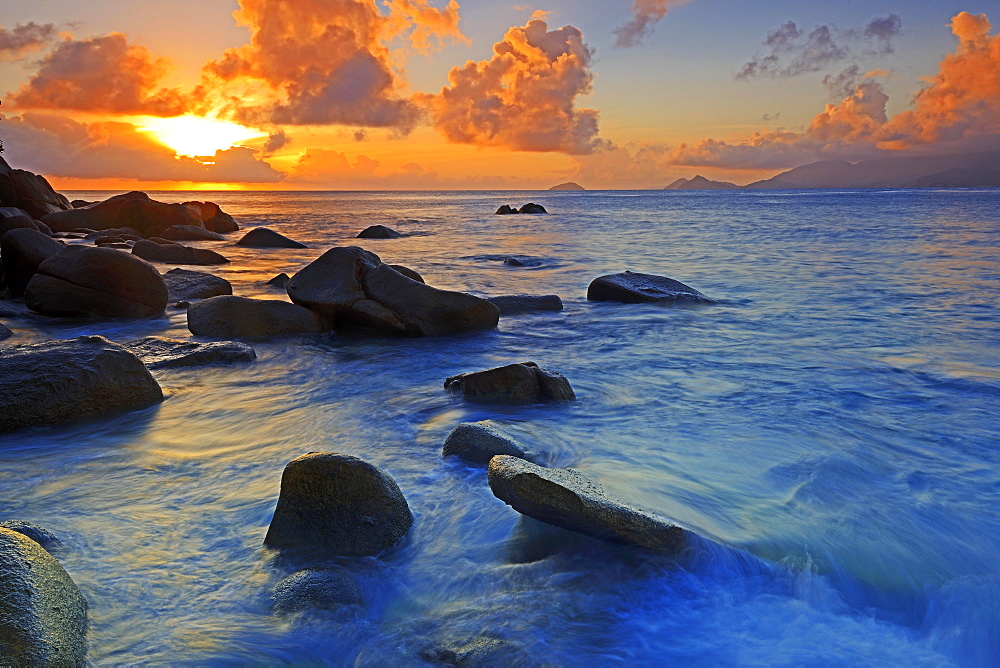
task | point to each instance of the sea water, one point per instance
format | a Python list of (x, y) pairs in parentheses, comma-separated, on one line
[(830, 429)]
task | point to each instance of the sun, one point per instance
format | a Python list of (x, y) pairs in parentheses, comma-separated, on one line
[(198, 136)]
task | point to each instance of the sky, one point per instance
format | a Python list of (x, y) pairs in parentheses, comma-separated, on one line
[(479, 94)]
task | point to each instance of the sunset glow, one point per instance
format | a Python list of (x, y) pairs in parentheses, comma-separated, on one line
[(196, 136)]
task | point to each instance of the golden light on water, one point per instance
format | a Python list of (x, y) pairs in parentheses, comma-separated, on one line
[(196, 135)]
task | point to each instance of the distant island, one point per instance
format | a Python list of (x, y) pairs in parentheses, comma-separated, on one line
[(968, 170), (569, 185)]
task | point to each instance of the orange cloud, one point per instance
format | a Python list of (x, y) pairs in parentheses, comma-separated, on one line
[(58, 146), (100, 74), (24, 38), (645, 14), (324, 62), (523, 97)]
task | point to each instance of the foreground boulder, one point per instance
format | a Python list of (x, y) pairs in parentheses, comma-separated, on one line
[(230, 317), (519, 383), (143, 214), (150, 250), (350, 286), (378, 232), (338, 504), (21, 252), (96, 282), (633, 288), (262, 237), (58, 381), (479, 442), (513, 304), (315, 589), (28, 191), (43, 615), (573, 501), (158, 352), (190, 233), (187, 284)]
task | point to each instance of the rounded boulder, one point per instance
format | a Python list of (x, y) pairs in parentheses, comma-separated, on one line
[(228, 317)]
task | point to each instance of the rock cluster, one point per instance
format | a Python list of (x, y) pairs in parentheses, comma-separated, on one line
[(29, 192), (143, 214), (350, 286), (530, 207), (524, 382)]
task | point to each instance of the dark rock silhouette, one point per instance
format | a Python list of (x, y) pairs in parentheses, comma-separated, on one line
[(229, 317), (633, 288), (30, 192), (315, 589), (525, 382), (513, 304), (188, 284), (138, 211), (569, 185), (378, 232), (148, 249), (22, 250), (478, 442), (262, 237), (190, 233)]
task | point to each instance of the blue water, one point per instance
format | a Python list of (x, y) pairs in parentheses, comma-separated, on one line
[(830, 429)]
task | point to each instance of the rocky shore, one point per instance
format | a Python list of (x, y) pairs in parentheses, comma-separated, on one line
[(116, 260)]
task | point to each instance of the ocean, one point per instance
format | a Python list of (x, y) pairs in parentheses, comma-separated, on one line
[(830, 429)]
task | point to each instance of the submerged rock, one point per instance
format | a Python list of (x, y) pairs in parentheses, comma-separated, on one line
[(228, 317), (378, 232), (568, 499), (262, 237), (512, 304), (279, 281), (483, 652), (524, 382), (350, 286), (190, 233), (183, 284), (40, 535), (21, 252), (159, 352), (338, 504), (315, 589), (96, 282), (479, 442), (148, 249), (632, 287), (531, 207), (58, 381), (43, 615)]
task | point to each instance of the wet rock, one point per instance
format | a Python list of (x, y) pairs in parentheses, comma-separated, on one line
[(409, 273), (229, 317), (124, 246), (484, 652), (108, 240), (11, 310), (21, 252), (57, 381), (5, 332), (568, 499), (212, 217), (190, 233), (262, 237), (338, 504), (183, 284), (279, 282), (315, 589), (525, 382), (632, 287), (43, 615), (158, 352), (176, 254), (13, 218), (350, 286), (512, 304), (378, 232), (30, 192), (125, 233), (506, 209), (40, 535), (531, 207), (96, 282), (478, 442)]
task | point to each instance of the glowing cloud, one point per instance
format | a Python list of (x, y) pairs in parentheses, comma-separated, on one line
[(100, 74), (324, 61), (645, 14), (196, 136), (523, 97)]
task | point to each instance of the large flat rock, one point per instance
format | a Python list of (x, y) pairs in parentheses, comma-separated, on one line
[(571, 500), (159, 352), (634, 288), (229, 317), (58, 381)]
